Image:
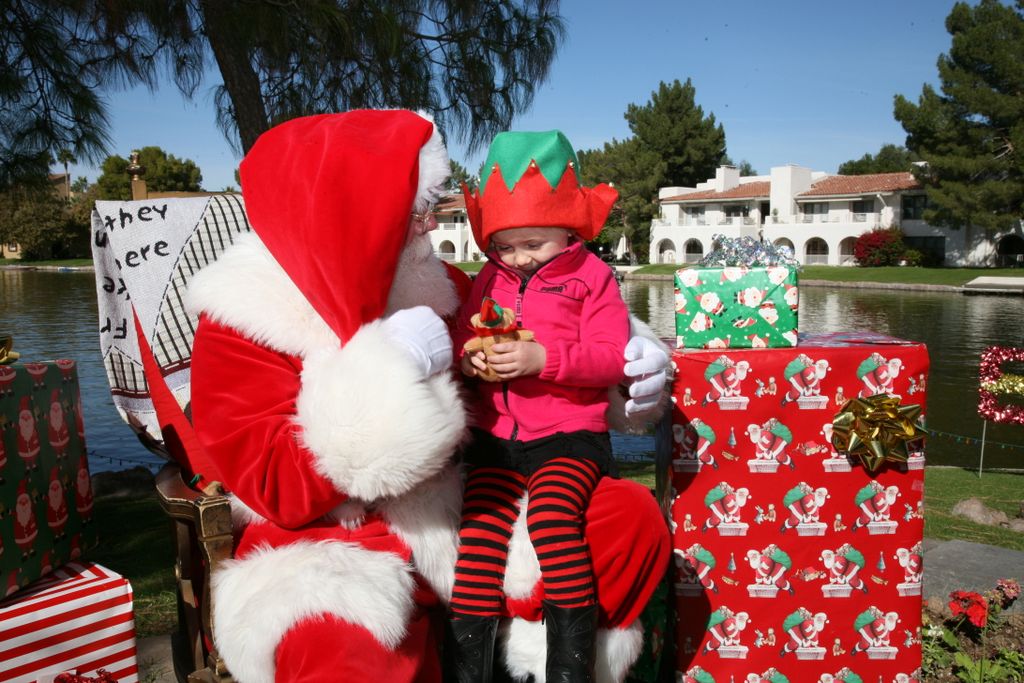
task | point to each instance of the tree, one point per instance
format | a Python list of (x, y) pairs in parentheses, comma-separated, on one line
[(745, 167), (473, 64), (461, 175), (59, 56), (890, 159), (674, 127), (65, 157), (164, 173), (636, 172), (41, 223), (972, 133)]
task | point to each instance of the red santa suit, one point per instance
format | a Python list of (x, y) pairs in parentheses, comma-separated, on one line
[(56, 505), (83, 490), (28, 435), (25, 528), (57, 430), (337, 449)]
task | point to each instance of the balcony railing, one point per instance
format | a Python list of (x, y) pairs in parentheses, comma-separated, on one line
[(816, 260)]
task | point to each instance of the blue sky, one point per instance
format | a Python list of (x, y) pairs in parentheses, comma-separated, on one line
[(791, 81)]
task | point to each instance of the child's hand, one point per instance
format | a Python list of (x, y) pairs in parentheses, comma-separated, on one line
[(517, 359), (473, 363)]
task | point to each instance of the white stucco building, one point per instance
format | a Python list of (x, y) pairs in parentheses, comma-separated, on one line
[(818, 215), (453, 239)]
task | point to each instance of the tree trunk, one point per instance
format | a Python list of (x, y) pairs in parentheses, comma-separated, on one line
[(240, 79)]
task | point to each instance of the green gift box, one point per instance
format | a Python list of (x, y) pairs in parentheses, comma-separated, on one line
[(736, 307), (46, 501)]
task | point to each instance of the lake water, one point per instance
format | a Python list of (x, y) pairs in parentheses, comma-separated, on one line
[(53, 315)]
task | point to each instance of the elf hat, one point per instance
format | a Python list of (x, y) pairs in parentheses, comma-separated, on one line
[(531, 179), (331, 195)]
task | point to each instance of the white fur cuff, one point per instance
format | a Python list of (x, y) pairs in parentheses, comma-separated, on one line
[(526, 650), (375, 426), (259, 598)]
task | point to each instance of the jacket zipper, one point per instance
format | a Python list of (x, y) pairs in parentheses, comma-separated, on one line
[(519, 323), (504, 385)]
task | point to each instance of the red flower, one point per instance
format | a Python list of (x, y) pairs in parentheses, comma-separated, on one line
[(970, 604)]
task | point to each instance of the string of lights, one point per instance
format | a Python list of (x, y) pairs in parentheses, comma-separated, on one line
[(150, 463), (970, 440)]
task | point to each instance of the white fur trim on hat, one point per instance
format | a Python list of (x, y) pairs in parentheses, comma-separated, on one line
[(434, 168), (259, 598), (367, 451), (526, 650)]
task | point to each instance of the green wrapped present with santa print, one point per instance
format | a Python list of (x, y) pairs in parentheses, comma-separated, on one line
[(736, 307)]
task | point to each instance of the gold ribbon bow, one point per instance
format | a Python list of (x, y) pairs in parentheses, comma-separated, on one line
[(1006, 384), (6, 355), (876, 429)]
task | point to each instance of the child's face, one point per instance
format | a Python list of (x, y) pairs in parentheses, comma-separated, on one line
[(527, 249)]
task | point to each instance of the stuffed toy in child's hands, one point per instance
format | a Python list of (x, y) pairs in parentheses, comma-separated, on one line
[(493, 325)]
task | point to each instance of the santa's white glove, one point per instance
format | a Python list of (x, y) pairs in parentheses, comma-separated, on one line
[(645, 369), (423, 334)]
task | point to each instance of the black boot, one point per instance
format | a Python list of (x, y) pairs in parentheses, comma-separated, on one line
[(469, 649), (571, 633)]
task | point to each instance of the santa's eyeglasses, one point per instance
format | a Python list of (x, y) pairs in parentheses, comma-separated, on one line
[(423, 217)]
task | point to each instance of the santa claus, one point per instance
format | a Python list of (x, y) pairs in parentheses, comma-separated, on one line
[(322, 394), (83, 490), (56, 505), (28, 436), (57, 431), (25, 528)]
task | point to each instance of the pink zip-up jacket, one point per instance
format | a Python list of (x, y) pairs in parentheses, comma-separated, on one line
[(573, 306)]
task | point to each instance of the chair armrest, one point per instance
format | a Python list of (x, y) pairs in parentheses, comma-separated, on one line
[(210, 514)]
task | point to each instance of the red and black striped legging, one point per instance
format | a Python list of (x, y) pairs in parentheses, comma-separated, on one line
[(559, 492)]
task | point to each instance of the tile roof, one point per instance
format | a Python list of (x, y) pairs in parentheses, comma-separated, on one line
[(450, 203), (834, 185), (754, 190)]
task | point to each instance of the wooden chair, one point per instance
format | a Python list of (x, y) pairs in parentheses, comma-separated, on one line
[(201, 527)]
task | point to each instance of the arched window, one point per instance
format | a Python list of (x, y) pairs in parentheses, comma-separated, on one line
[(816, 252), (783, 242), (1011, 251), (446, 251), (694, 251), (846, 251), (666, 252)]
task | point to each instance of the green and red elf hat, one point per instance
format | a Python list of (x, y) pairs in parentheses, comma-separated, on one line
[(531, 179)]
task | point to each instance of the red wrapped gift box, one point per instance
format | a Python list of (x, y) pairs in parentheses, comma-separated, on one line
[(78, 618), (794, 561)]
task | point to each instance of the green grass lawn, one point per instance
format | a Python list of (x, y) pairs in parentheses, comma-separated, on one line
[(135, 537), (945, 487), (470, 266), (956, 277)]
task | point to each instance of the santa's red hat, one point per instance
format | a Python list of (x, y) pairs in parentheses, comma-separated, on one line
[(22, 490), (331, 195), (24, 405)]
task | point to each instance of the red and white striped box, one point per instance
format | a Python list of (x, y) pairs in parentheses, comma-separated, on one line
[(78, 618)]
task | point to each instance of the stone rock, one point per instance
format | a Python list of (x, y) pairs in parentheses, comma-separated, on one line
[(131, 482), (1017, 524), (975, 511)]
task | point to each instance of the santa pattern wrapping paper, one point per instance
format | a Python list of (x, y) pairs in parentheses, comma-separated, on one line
[(45, 488), (794, 562), (736, 307), (77, 619)]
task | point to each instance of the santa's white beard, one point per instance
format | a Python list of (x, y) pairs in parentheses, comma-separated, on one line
[(421, 280), (24, 511)]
